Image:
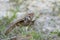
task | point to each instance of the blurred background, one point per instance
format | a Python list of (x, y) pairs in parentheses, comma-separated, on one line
[(46, 15)]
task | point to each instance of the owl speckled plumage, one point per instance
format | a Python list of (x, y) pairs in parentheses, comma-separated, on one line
[(24, 22)]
